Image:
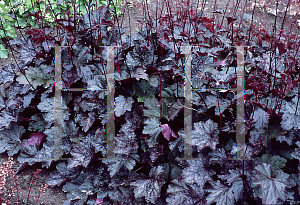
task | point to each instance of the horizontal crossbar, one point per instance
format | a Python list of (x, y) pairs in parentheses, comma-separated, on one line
[(82, 89), (212, 89)]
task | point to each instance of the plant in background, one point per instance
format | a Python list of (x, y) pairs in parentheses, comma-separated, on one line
[(7, 29), (23, 13)]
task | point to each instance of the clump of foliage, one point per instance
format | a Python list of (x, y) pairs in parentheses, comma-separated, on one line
[(149, 110), (23, 14)]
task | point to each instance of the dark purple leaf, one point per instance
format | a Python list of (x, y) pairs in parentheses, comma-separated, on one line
[(152, 128), (99, 201), (224, 194), (148, 188), (155, 152), (260, 118), (281, 48), (114, 165), (28, 154), (219, 11), (88, 121), (80, 188), (108, 23), (22, 166), (7, 74), (184, 34), (98, 141), (126, 139), (35, 138), (10, 139), (217, 156), (271, 188), (196, 174), (27, 54), (176, 107), (290, 118), (14, 103), (82, 155), (230, 20), (205, 134), (140, 73), (122, 105), (167, 132), (27, 99), (61, 174), (221, 63), (152, 106)]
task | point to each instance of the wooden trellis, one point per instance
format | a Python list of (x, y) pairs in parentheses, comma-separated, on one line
[(110, 90)]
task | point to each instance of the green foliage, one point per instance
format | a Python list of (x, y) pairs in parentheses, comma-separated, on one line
[(15, 14), (3, 52), (143, 90), (152, 128), (49, 9), (275, 161), (37, 76)]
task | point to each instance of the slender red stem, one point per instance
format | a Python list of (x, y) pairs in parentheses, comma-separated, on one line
[(219, 111), (35, 173)]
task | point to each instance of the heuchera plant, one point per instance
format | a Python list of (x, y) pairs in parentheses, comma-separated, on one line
[(149, 111)]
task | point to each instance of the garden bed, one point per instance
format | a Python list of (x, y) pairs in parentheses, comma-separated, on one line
[(57, 196)]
